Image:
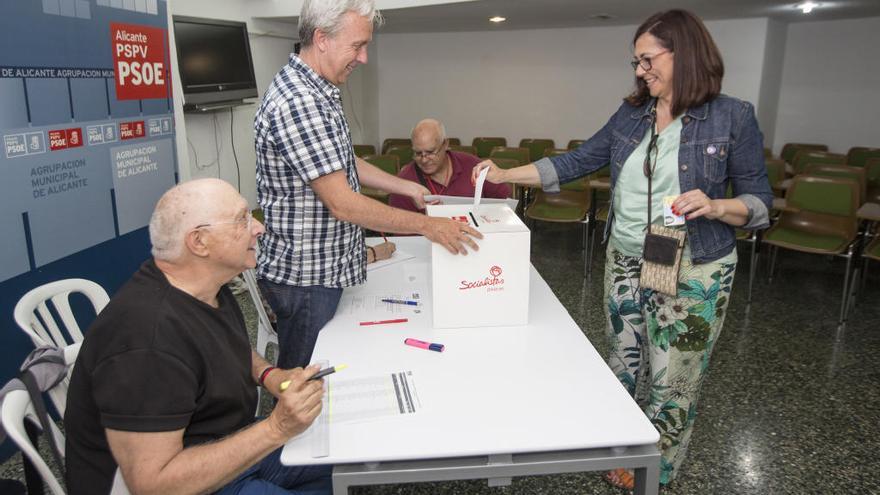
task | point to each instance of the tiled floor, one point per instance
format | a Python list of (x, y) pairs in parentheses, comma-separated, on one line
[(791, 403)]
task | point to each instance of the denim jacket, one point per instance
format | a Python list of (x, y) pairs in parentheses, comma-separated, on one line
[(720, 143)]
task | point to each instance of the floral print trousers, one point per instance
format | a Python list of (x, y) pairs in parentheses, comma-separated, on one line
[(660, 345)]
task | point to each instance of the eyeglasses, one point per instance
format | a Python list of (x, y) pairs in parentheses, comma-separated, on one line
[(248, 221), (429, 154), (645, 62)]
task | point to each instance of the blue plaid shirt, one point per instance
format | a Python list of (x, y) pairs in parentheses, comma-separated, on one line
[(301, 135)]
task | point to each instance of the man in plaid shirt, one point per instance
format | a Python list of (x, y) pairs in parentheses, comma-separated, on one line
[(308, 181)]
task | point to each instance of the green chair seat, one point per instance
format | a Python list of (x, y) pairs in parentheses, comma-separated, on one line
[(565, 206), (799, 240)]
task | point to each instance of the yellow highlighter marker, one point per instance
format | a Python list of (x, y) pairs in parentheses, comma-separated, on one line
[(324, 372)]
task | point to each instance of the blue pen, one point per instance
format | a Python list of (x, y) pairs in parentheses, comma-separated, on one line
[(400, 301)]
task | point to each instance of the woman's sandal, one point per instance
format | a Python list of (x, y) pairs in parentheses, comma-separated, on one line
[(621, 478)]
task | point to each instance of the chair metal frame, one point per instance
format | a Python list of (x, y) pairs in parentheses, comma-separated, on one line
[(847, 252)]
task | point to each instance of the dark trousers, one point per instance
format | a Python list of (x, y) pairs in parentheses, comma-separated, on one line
[(270, 477), (302, 312)]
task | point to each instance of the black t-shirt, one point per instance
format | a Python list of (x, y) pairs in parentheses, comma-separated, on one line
[(156, 359)]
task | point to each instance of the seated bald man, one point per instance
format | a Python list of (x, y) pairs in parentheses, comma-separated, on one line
[(442, 171), (165, 383)]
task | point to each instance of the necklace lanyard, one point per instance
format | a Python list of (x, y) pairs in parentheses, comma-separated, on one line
[(427, 181), (649, 168)]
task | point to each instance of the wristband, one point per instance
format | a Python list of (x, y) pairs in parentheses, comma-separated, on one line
[(265, 373), (372, 250)]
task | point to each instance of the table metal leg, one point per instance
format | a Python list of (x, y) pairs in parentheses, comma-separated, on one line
[(644, 459), (647, 479)]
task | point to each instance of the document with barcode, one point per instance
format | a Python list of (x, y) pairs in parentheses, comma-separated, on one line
[(373, 397)]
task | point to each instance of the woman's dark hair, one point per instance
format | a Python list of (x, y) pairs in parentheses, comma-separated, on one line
[(697, 69)]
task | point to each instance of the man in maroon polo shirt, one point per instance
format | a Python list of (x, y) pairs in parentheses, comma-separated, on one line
[(442, 171)]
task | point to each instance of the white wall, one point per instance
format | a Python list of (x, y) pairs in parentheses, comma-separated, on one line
[(830, 84), (560, 83), (771, 80), (197, 136)]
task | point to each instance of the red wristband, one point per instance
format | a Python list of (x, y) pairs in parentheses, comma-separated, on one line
[(265, 373)]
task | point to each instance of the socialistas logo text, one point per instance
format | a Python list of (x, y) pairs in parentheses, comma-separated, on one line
[(494, 282)]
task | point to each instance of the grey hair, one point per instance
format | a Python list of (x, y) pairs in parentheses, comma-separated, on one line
[(441, 129), (181, 209), (326, 15)]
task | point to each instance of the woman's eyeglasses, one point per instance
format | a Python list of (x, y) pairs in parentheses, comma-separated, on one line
[(645, 62)]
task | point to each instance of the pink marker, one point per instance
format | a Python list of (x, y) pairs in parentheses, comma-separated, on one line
[(421, 344)]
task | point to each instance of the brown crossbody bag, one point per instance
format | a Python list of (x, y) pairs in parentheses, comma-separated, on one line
[(661, 254)]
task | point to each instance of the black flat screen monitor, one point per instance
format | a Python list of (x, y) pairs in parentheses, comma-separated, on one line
[(214, 59)]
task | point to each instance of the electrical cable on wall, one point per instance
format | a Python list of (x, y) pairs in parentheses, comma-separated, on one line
[(234, 155), (218, 145), (215, 161)]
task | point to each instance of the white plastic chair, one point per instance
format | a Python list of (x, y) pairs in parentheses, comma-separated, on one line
[(32, 313), (265, 332), (15, 409)]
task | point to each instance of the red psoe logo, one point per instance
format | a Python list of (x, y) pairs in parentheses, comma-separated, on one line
[(138, 61), (495, 271), (60, 139), (132, 130)]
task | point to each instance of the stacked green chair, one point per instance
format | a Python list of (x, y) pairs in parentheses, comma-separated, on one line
[(506, 162), (388, 163), (856, 174), (394, 142), (453, 141), (536, 147), (571, 204), (509, 155), (858, 156), (768, 153), (404, 153), (484, 145), (822, 220), (872, 170), (521, 155), (470, 150), (363, 150), (791, 149), (775, 173), (574, 143), (808, 157)]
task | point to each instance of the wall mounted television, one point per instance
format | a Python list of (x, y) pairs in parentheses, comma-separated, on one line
[(214, 60)]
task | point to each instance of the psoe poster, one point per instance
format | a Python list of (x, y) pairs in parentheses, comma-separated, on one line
[(87, 125)]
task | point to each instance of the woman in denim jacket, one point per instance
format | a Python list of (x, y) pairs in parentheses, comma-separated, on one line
[(705, 141)]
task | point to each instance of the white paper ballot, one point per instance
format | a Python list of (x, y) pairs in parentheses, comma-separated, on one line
[(373, 397), (478, 192)]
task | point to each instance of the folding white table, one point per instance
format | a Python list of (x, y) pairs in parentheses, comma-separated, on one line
[(499, 402)]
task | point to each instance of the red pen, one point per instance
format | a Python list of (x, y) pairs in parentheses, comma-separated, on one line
[(382, 322)]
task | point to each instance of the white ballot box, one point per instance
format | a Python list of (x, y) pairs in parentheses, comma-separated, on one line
[(489, 287)]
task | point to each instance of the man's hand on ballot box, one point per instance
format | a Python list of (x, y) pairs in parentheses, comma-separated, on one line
[(451, 234)]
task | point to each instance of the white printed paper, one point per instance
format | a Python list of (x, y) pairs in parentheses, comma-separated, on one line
[(373, 397)]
